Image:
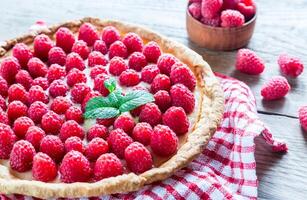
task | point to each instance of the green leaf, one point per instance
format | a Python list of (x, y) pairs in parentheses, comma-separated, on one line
[(110, 84), (98, 102), (135, 99), (102, 113)]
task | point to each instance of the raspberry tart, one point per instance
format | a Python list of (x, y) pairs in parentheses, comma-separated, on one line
[(93, 107)]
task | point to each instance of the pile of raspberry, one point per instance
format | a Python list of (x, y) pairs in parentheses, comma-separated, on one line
[(222, 13), (44, 92)]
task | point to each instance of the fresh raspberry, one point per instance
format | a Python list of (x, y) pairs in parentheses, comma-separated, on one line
[(290, 66), (88, 33), (194, 9), (35, 135), (182, 74), (23, 77), (51, 122), (276, 88), (136, 112), (97, 131), (133, 42), (109, 35), (230, 4), (98, 69), (75, 168), (71, 128), (74, 113), (53, 147), (74, 143), (17, 92), (75, 76), (88, 97), (16, 109), (23, 54), (80, 47), (56, 55), (163, 141), (176, 119), (37, 93), (9, 68), (64, 38), (58, 88), (165, 63), (99, 84), (163, 100), (247, 8), (182, 97), (73, 60), (107, 165), (4, 119), (142, 133), (97, 58), (129, 78), (95, 148), (152, 51), (149, 73), (21, 126), (160, 82), (37, 68), (117, 66), (100, 46), (125, 122), (3, 87), (106, 122), (55, 72), (215, 22), (42, 46), (79, 91), (211, 8), (21, 157), (151, 114), (44, 169), (248, 62), (37, 110), (231, 18), (137, 61), (138, 158), (302, 115), (118, 141), (7, 140), (118, 49), (2, 103), (60, 104)]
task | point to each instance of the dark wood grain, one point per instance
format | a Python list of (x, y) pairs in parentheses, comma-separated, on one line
[(281, 27)]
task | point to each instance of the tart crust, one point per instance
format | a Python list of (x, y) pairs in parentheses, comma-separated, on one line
[(210, 114)]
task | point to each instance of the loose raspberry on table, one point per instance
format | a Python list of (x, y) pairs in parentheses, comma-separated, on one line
[(99, 84), (109, 35), (74, 60), (133, 42), (142, 133), (160, 82), (42, 46), (88, 33), (290, 65), (211, 8), (53, 147), (9, 68), (182, 97), (74, 143), (79, 92), (98, 69), (129, 78), (80, 47), (57, 55), (137, 61), (37, 68), (97, 131), (215, 22), (35, 135), (58, 88), (165, 63), (152, 51), (4, 119), (194, 9), (95, 148), (163, 141), (106, 122), (163, 100), (44, 169), (231, 18), (74, 113), (71, 128), (107, 165), (37, 93), (149, 73), (247, 8), (118, 141), (75, 76), (248, 62), (21, 126), (17, 92), (37, 110), (75, 168), (56, 72), (275, 88), (16, 109), (100, 46), (97, 58), (182, 74), (302, 115), (23, 54), (118, 49), (89, 96), (2, 103), (151, 114), (3, 87), (60, 104), (51, 122), (117, 66), (125, 122), (65, 39), (21, 157), (176, 119), (7, 140), (23, 77)]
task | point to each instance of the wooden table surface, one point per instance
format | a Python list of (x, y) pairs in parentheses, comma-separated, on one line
[(281, 27)]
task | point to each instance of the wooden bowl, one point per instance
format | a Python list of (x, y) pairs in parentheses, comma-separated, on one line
[(218, 38)]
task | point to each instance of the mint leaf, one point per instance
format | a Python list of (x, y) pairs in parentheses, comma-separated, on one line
[(135, 99), (98, 102), (110, 84), (102, 113)]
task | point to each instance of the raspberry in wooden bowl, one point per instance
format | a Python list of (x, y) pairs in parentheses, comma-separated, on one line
[(221, 25)]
